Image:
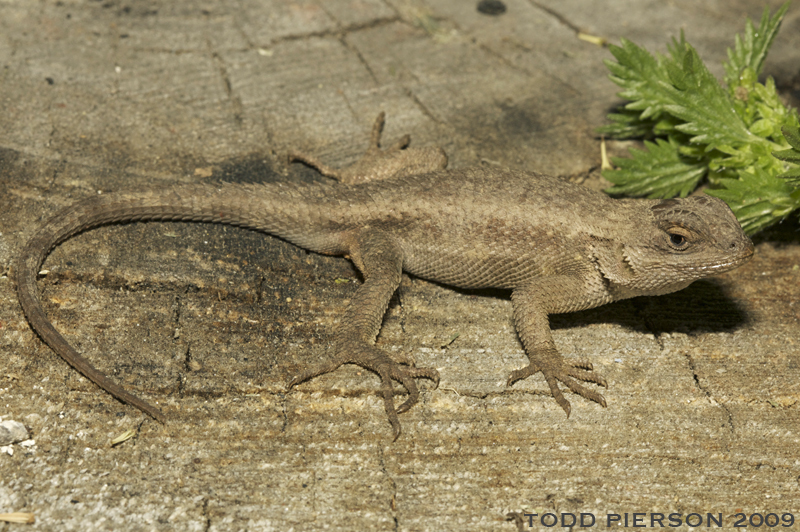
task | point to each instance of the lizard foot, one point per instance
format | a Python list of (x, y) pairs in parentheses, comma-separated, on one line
[(555, 369), (374, 359), (377, 163)]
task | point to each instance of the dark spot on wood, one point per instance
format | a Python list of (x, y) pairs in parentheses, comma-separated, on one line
[(491, 7)]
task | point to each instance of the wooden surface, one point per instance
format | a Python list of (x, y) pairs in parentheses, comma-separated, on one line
[(209, 322)]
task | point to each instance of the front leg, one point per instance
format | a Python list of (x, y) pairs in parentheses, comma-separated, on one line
[(380, 260), (532, 304)]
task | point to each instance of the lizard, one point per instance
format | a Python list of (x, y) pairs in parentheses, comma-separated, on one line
[(557, 246)]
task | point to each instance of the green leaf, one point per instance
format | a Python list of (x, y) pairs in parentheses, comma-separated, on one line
[(758, 198), (750, 50), (792, 156), (791, 176), (679, 85), (626, 124), (765, 108), (637, 72), (658, 172), (700, 101), (792, 136), (737, 136)]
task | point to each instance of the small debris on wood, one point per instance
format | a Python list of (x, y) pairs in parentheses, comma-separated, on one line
[(12, 432)]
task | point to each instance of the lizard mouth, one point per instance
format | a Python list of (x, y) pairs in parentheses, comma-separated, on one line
[(731, 263)]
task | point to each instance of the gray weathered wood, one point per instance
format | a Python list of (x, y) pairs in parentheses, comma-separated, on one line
[(209, 322)]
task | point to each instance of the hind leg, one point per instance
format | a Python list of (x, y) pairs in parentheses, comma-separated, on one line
[(378, 164), (380, 260)]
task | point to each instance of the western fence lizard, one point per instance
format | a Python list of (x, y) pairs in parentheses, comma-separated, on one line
[(559, 247)]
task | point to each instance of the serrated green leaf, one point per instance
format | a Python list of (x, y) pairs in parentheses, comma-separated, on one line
[(792, 156), (758, 199), (626, 124), (742, 158), (703, 105), (792, 176), (764, 113), (660, 171), (679, 72), (750, 50), (679, 85), (636, 70), (792, 136), (676, 47), (737, 136)]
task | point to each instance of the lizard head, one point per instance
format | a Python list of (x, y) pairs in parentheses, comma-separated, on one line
[(687, 239)]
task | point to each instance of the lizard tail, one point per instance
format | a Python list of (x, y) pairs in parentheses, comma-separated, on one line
[(228, 204)]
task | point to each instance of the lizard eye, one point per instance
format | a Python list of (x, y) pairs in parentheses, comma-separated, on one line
[(678, 240)]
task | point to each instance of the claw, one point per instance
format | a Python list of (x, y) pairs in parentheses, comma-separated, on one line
[(388, 369), (582, 364), (388, 405), (558, 370), (558, 395), (588, 376)]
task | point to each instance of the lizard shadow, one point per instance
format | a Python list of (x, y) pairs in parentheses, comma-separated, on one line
[(704, 306)]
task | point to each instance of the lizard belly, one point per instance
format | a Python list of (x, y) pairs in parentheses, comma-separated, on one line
[(471, 267)]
